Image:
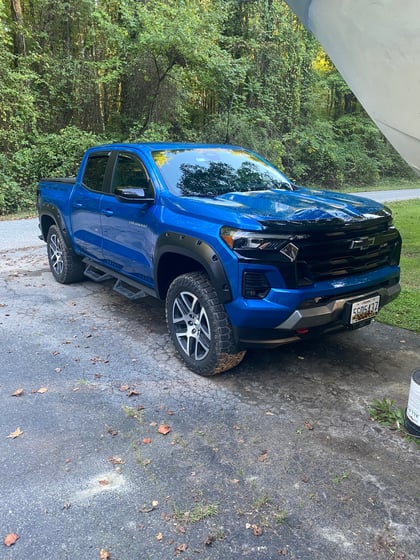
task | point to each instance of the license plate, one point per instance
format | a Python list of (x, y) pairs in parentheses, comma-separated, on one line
[(364, 309)]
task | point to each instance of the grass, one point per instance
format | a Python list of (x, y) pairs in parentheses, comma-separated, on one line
[(404, 312), (386, 413), (196, 514)]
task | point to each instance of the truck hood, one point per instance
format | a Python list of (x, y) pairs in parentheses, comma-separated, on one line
[(301, 206)]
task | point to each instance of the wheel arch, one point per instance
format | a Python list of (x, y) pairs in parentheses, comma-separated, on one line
[(178, 254), (49, 215)]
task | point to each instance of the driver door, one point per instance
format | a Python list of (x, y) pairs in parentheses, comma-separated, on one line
[(128, 226)]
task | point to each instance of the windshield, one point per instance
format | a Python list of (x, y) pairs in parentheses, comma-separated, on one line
[(216, 171)]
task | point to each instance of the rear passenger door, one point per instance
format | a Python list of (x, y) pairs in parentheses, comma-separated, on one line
[(86, 204), (129, 227)]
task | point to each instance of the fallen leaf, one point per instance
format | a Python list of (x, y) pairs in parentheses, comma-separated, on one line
[(124, 388), (10, 539), (308, 425), (263, 456), (57, 369), (104, 554), (115, 460), (148, 509), (164, 429), (18, 432), (18, 392), (42, 390), (181, 548), (255, 529), (103, 482), (132, 393), (111, 431), (159, 537), (209, 540), (147, 440)]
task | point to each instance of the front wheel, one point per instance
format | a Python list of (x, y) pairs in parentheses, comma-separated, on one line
[(199, 326), (65, 265)]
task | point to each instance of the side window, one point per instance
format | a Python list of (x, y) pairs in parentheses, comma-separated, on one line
[(130, 173), (93, 177)]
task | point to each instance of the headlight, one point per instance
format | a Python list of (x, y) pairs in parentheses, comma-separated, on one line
[(249, 242)]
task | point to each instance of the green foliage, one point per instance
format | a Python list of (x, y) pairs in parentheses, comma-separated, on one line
[(55, 154), (350, 150), (199, 70), (386, 413)]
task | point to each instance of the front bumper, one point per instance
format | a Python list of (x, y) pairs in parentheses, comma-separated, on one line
[(313, 317)]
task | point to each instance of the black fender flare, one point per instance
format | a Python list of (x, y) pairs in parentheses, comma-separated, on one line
[(53, 213), (199, 251)]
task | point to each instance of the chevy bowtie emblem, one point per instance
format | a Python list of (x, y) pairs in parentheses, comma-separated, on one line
[(362, 243)]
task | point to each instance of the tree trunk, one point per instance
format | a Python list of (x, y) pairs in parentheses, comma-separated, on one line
[(18, 37)]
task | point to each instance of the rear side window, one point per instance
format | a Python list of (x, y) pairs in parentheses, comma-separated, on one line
[(94, 175)]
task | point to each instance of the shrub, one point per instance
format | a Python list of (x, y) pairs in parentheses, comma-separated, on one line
[(47, 155)]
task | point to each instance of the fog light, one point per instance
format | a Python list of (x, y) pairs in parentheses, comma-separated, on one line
[(255, 285)]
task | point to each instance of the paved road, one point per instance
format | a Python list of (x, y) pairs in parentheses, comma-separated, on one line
[(17, 234), (391, 196), (277, 458)]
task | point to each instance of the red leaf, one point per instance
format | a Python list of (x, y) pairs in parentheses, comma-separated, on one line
[(10, 539), (164, 429)]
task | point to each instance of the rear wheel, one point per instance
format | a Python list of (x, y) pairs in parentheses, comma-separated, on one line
[(65, 265), (199, 326)]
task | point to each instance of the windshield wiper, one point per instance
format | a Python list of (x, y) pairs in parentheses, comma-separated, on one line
[(199, 194), (286, 186)]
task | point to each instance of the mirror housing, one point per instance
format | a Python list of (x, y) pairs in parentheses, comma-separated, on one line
[(132, 194)]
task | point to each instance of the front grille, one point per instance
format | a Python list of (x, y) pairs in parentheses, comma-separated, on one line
[(328, 254), (323, 258)]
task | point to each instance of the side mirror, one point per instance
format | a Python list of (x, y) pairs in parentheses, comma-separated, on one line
[(132, 194)]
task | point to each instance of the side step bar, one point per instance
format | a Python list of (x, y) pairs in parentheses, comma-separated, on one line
[(96, 274), (128, 291), (124, 286)]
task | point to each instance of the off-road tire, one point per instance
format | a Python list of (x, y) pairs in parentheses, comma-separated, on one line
[(65, 265), (199, 326)]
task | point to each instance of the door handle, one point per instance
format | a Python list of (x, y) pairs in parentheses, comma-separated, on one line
[(107, 212), (77, 205)]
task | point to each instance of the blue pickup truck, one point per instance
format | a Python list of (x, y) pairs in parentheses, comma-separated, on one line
[(241, 256)]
